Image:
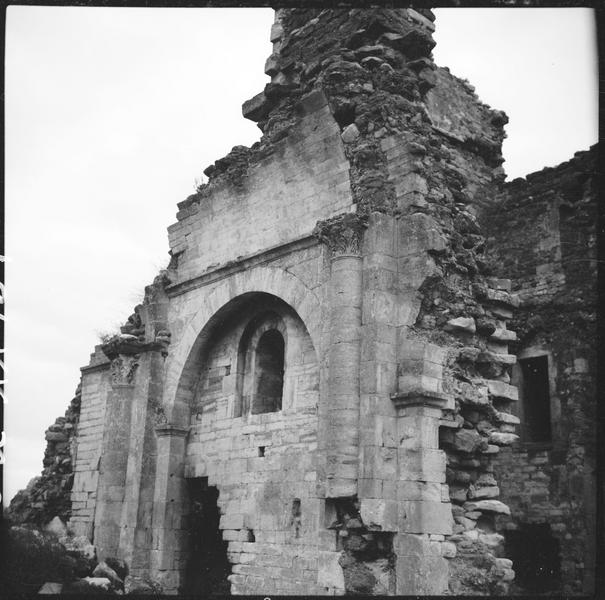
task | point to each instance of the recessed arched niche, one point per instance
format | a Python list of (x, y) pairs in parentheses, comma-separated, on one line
[(257, 358)]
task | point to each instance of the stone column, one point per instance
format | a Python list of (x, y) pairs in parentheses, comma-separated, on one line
[(116, 439), (168, 553), (339, 438)]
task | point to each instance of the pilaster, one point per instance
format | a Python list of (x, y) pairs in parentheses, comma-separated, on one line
[(116, 441), (424, 509), (168, 548)]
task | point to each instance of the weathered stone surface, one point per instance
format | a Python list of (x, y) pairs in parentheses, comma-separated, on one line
[(502, 439), (448, 550), (51, 588), (503, 335), (499, 389), (425, 517), (474, 394), (104, 570), (504, 359), (379, 514), (330, 572), (478, 492), (350, 133), (102, 583), (468, 440), (56, 526), (464, 324), (256, 108), (494, 506), (420, 575), (118, 565), (503, 417)]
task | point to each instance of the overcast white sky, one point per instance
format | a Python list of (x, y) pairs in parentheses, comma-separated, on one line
[(113, 113)]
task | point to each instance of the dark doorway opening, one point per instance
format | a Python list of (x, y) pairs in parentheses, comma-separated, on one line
[(207, 566), (536, 558)]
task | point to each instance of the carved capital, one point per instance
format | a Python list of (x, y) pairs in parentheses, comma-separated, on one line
[(123, 368), (128, 345), (342, 234)]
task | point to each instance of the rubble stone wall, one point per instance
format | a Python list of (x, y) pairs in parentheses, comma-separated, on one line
[(49, 494), (543, 228)]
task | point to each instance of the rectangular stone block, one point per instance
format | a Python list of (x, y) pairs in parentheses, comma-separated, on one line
[(232, 521), (420, 385), (421, 575), (379, 462), (370, 488), (379, 514), (419, 490), (421, 465), (425, 517), (330, 572), (416, 432)]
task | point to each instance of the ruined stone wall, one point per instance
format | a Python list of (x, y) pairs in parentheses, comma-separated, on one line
[(89, 443), (355, 220), (49, 494), (543, 229), (273, 195), (423, 153)]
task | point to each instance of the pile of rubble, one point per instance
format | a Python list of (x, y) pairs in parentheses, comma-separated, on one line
[(54, 561)]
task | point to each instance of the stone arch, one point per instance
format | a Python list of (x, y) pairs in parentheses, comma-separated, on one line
[(225, 295), (247, 359)]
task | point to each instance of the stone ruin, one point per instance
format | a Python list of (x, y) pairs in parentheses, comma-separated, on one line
[(370, 364)]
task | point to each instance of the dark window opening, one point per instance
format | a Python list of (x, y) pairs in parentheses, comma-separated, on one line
[(207, 566), (269, 373), (535, 555), (296, 518), (535, 426), (261, 451)]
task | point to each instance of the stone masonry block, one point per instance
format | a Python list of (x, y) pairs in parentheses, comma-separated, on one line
[(416, 432), (378, 306), (379, 514), (421, 575), (379, 462), (419, 490), (425, 517), (330, 573), (232, 521), (419, 233), (412, 182), (499, 389), (421, 465), (419, 385), (380, 234), (370, 488)]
